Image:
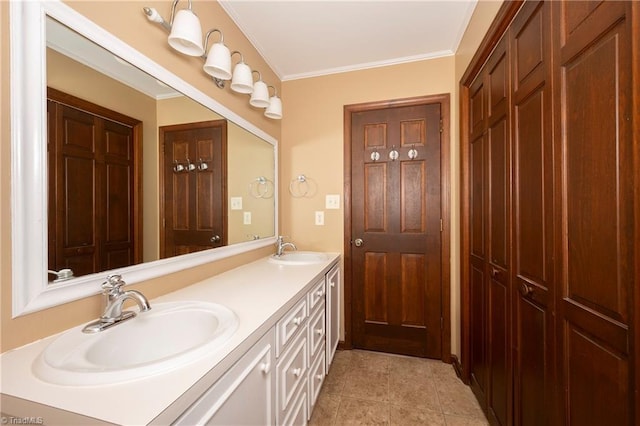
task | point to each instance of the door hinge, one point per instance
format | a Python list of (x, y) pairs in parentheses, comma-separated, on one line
[(441, 226), (441, 323), (440, 126)]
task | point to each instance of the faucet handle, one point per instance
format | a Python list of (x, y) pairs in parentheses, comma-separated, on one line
[(113, 284)]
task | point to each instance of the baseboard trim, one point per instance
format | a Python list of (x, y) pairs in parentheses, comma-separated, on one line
[(457, 366)]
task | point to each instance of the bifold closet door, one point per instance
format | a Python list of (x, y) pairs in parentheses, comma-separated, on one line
[(595, 210), (533, 325)]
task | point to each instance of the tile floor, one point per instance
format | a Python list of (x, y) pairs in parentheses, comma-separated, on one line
[(370, 388)]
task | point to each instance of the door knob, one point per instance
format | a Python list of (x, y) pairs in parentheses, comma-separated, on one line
[(215, 239), (525, 289), (358, 242)]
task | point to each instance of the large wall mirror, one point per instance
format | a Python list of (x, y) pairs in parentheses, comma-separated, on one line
[(67, 74)]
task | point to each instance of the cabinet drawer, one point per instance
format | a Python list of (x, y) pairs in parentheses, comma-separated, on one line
[(290, 323), (291, 372), (317, 330), (316, 294), (317, 374), (299, 412)]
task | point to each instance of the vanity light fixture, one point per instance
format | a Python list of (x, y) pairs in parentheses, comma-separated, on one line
[(186, 31), (242, 81), (218, 63), (274, 110), (260, 94), (186, 37)]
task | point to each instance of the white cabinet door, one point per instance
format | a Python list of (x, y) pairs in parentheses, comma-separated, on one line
[(249, 383), (334, 294)]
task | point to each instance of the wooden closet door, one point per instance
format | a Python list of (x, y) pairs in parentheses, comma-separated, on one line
[(477, 247), (594, 210), (533, 325), (499, 240)]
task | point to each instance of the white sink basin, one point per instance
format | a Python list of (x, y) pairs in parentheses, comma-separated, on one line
[(299, 258), (168, 336)]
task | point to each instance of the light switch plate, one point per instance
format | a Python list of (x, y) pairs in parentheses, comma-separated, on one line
[(320, 218), (236, 203), (247, 218), (332, 201)]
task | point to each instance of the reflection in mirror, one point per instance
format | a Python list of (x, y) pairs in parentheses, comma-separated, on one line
[(110, 133)]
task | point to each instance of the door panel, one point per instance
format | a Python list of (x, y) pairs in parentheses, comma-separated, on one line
[(596, 207), (396, 273), (194, 197), (532, 217), (91, 186)]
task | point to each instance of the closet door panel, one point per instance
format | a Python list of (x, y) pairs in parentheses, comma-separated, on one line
[(596, 207), (533, 217)]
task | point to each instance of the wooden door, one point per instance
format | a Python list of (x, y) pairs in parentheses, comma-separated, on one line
[(594, 183), (396, 272), (194, 199), (478, 360), (532, 219), (93, 186)]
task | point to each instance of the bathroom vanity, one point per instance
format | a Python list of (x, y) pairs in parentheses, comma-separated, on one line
[(288, 324)]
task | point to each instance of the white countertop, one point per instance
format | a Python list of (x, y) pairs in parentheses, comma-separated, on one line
[(259, 293)]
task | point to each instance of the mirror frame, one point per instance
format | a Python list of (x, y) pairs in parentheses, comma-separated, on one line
[(31, 290)]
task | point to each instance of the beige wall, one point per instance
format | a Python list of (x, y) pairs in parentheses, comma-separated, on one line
[(126, 20), (312, 140)]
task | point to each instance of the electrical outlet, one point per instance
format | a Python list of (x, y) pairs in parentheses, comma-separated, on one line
[(320, 218), (332, 201), (236, 203), (247, 218)]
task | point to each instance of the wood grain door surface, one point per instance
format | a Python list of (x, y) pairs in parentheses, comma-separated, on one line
[(92, 186), (194, 198), (396, 212)]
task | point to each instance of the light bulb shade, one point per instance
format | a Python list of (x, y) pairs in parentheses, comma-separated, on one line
[(242, 81), (218, 62), (274, 110), (186, 33), (260, 95)]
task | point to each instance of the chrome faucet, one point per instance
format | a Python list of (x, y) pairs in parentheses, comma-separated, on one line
[(281, 245), (114, 299)]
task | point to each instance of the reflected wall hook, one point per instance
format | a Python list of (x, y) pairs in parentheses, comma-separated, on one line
[(393, 154), (177, 168), (413, 153), (202, 165)]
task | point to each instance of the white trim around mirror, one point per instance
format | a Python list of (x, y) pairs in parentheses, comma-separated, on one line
[(30, 290)]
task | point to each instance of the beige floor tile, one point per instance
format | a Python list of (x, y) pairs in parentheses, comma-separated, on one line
[(410, 367), (370, 360), (335, 381), (465, 421), (456, 398), (325, 410), (365, 388), (413, 392), (402, 416), (367, 384), (360, 412)]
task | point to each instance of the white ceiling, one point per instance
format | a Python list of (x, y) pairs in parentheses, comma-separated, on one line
[(307, 38)]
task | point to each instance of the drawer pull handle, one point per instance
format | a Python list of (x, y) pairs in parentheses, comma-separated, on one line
[(495, 273), (320, 293), (297, 320), (297, 371), (333, 284), (265, 367), (319, 376), (319, 331)]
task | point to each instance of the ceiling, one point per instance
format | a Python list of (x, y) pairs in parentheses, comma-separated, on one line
[(306, 38)]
